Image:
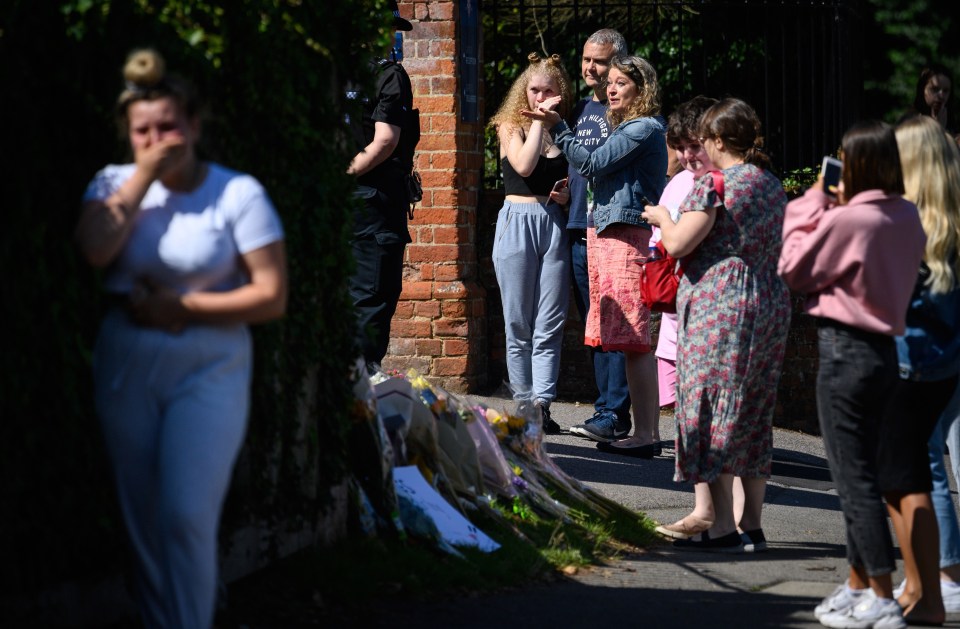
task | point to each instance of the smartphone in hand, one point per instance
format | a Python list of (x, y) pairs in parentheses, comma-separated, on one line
[(831, 170), (560, 185)]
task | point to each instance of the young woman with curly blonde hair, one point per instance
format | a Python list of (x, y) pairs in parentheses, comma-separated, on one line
[(531, 256)]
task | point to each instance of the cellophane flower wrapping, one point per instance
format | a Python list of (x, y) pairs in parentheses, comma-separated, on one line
[(465, 451), (457, 453), (497, 473), (372, 455)]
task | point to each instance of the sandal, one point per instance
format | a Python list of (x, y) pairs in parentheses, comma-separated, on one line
[(685, 528)]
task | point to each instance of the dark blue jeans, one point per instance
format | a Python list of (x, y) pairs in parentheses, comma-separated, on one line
[(858, 372), (609, 368)]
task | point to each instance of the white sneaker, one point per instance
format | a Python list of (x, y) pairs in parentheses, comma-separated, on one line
[(870, 613), (897, 591), (950, 592), (840, 600)]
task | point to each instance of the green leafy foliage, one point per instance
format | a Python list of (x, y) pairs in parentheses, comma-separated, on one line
[(797, 180), (273, 73)]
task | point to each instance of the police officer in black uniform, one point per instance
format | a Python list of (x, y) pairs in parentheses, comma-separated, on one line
[(383, 166)]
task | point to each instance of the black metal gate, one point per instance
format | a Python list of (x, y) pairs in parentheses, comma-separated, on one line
[(795, 62)]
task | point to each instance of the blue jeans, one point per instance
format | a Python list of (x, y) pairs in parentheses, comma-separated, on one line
[(946, 433), (858, 371), (609, 368)]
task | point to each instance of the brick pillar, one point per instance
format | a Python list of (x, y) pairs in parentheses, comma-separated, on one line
[(439, 328)]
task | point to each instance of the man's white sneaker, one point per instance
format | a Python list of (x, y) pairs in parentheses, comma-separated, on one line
[(897, 591), (870, 613), (949, 591), (951, 596), (841, 599)]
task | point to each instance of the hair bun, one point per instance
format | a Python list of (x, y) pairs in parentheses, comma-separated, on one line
[(144, 68), (533, 57)]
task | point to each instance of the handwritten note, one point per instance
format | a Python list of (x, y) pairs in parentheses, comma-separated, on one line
[(455, 529)]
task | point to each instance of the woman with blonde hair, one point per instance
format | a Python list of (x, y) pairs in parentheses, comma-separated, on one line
[(627, 169), (929, 356), (531, 256)]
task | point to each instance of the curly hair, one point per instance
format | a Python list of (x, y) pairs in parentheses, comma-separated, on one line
[(684, 122), (931, 178), (638, 70), (516, 99)]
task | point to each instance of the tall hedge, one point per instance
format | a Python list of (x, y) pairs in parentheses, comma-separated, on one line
[(273, 73)]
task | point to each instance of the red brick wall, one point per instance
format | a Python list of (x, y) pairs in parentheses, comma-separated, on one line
[(439, 328)]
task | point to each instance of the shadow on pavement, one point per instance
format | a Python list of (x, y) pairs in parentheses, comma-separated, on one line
[(574, 604)]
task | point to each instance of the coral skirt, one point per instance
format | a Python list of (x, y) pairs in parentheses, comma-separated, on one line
[(617, 320)]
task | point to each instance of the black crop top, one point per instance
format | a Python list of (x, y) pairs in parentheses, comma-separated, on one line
[(546, 173)]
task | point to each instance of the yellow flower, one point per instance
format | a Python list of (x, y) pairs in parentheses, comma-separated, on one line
[(492, 415), (516, 423)]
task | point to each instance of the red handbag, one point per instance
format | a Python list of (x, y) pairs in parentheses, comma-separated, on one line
[(659, 278), (717, 176), (660, 274)]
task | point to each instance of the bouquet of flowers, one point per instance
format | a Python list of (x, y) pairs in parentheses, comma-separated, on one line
[(464, 450)]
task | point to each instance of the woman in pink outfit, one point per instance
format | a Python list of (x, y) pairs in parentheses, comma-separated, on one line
[(856, 257)]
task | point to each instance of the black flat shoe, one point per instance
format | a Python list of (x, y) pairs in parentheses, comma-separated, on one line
[(642, 452), (550, 427), (729, 543)]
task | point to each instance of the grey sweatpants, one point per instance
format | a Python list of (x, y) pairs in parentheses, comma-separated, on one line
[(532, 262)]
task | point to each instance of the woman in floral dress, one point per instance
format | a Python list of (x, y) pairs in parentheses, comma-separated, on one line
[(734, 313)]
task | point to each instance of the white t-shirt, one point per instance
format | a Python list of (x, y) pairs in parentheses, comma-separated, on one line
[(192, 241)]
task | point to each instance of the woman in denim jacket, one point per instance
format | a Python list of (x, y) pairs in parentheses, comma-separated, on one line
[(929, 356), (629, 168)]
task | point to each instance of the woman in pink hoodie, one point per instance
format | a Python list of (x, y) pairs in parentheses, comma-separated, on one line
[(856, 258)]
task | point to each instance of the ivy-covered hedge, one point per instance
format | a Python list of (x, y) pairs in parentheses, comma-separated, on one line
[(273, 74)]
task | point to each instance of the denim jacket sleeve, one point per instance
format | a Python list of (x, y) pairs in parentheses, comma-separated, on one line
[(612, 155), (929, 349)]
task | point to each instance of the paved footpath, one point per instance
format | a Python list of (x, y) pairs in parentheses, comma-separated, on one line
[(663, 587)]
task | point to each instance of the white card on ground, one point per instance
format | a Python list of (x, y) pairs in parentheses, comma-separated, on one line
[(455, 529)]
